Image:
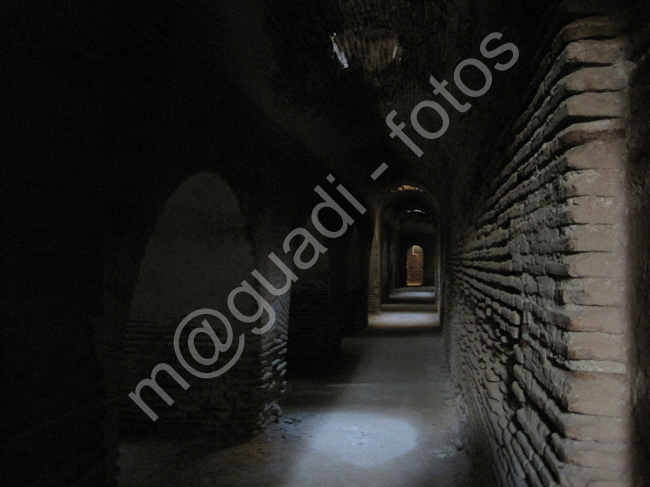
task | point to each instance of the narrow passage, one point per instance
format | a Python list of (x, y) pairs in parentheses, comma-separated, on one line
[(387, 417)]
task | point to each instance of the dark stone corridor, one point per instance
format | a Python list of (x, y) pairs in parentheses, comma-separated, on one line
[(330, 242), (385, 415)]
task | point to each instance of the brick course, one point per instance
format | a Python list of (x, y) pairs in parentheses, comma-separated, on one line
[(536, 278)]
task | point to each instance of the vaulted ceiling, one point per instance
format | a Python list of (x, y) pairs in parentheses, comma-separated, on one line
[(329, 72), (178, 74)]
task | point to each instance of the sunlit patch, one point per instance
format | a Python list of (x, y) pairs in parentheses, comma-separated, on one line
[(365, 440)]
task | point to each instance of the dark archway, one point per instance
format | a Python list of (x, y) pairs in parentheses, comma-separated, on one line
[(405, 217), (198, 253)]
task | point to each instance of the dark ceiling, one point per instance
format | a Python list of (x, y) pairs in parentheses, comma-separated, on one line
[(182, 72), (281, 55)]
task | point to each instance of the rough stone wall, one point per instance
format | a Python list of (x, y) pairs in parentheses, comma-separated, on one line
[(535, 290), (197, 255), (270, 230)]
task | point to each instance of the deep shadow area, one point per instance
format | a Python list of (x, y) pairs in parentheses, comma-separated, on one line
[(259, 165)]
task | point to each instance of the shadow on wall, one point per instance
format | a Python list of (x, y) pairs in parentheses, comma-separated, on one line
[(414, 266), (639, 248), (197, 254)]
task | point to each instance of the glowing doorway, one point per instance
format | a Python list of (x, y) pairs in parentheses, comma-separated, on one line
[(414, 266)]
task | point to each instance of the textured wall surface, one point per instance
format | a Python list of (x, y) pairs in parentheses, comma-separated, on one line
[(197, 255), (541, 191), (536, 305)]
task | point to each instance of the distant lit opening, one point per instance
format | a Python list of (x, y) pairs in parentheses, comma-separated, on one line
[(408, 187), (415, 266)]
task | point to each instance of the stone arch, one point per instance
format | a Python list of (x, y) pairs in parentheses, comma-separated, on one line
[(197, 254), (406, 214)]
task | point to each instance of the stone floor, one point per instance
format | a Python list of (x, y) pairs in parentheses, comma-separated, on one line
[(419, 294), (386, 418)]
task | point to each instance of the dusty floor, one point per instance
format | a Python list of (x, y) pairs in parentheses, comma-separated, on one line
[(387, 418)]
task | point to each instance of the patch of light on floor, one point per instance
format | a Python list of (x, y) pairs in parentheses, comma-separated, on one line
[(365, 440), (406, 319)]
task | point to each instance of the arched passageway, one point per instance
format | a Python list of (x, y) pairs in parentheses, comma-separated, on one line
[(198, 253), (415, 266), (383, 416), (405, 221), (156, 155)]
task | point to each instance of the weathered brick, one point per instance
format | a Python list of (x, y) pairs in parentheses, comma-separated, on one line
[(607, 456)]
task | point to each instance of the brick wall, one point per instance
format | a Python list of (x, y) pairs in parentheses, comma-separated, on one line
[(197, 255), (535, 297)]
